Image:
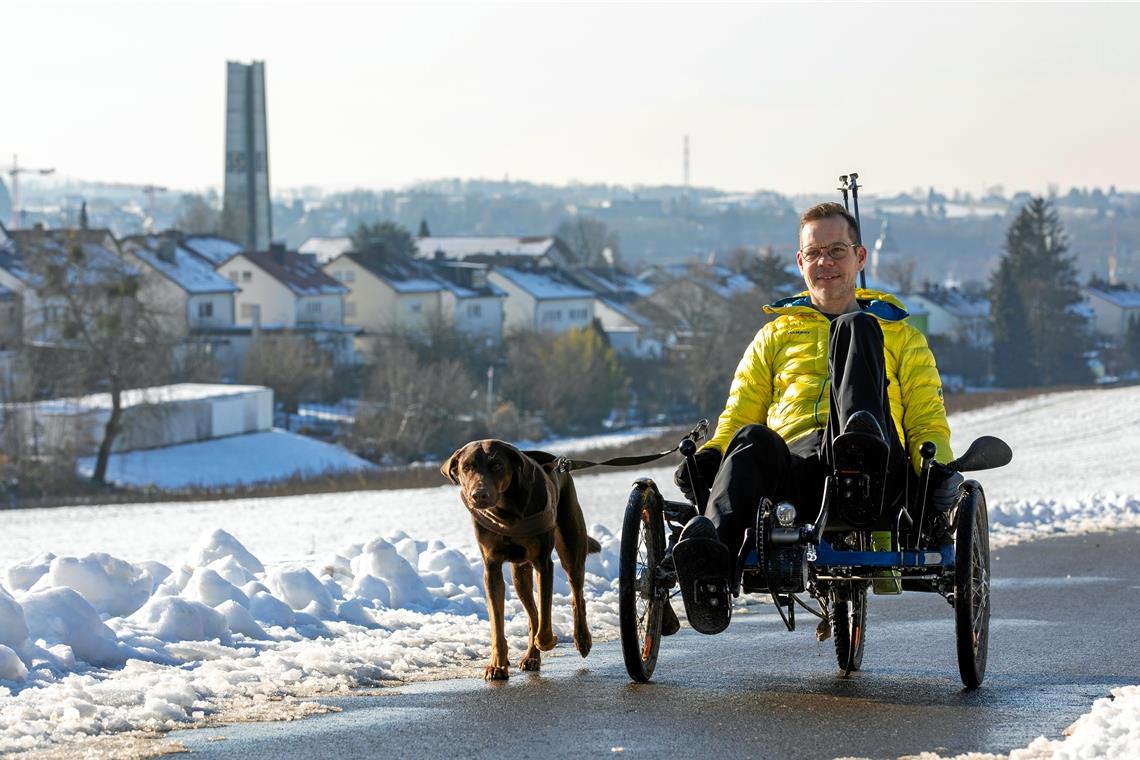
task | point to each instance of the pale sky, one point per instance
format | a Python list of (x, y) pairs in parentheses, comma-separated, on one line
[(780, 97)]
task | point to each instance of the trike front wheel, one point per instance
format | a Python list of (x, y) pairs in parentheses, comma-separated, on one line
[(640, 602)]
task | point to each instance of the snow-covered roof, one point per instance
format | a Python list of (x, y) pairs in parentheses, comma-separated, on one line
[(1124, 299), (465, 280), (607, 281), (719, 279), (295, 272), (324, 249), (216, 250), (98, 260), (461, 247), (191, 272), (958, 302), (545, 284), (401, 276)]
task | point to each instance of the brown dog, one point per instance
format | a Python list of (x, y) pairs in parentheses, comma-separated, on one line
[(523, 508)]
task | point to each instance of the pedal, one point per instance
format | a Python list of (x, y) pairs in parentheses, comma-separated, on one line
[(703, 568)]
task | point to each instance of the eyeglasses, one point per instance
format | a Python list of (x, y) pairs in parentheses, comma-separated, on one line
[(835, 252)]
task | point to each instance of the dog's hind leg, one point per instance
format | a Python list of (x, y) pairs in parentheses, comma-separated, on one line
[(496, 589), (574, 563), (523, 575), (545, 569)]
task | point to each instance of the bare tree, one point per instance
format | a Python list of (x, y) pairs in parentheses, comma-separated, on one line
[(296, 368), (197, 217), (591, 241), (98, 330)]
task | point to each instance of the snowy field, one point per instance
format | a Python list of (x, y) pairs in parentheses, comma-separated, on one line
[(157, 616)]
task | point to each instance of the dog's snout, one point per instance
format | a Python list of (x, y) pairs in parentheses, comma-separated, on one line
[(481, 495)]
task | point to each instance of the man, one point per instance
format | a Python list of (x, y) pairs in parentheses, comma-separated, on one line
[(835, 360)]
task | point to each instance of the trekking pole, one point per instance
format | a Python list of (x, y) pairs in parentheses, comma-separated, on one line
[(843, 189), (853, 186)]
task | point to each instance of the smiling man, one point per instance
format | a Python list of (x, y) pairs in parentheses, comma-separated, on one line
[(836, 359)]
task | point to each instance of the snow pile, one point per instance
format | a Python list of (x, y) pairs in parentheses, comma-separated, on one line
[(147, 646), (272, 455), (152, 616)]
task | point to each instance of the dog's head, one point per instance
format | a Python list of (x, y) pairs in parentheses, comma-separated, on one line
[(486, 470)]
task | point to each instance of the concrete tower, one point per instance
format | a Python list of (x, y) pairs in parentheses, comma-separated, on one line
[(246, 215)]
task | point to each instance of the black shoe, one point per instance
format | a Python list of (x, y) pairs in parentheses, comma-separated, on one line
[(669, 622), (703, 569), (699, 527), (864, 422)]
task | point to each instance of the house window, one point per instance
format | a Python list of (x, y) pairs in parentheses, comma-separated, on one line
[(414, 307), (346, 275), (205, 309), (578, 314), (350, 308), (235, 276), (246, 276), (474, 310), (250, 311), (313, 307), (552, 316)]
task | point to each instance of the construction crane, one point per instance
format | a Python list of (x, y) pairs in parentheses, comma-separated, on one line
[(147, 189), (14, 172)]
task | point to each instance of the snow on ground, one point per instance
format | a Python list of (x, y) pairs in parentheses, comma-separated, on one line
[(157, 616), (231, 461)]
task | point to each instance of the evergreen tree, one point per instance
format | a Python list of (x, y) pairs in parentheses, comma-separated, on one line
[(425, 231), (1039, 335), (385, 240)]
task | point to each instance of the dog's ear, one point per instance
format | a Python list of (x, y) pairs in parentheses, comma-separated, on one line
[(450, 468)]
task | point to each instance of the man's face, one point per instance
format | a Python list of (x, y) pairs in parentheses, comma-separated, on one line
[(831, 283)]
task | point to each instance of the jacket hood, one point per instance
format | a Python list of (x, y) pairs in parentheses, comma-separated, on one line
[(881, 304)]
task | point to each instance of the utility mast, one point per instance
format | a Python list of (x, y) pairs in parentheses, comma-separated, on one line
[(686, 162), (14, 172)]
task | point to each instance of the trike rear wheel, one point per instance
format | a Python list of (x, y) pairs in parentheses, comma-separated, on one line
[(640, 601), (848, 624), (972, 586)]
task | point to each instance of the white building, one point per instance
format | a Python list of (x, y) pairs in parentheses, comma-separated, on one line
[(323, 249), (181, 286), (954, 313), (1112, 309), (542, 299), (531, 250), (152, 417)]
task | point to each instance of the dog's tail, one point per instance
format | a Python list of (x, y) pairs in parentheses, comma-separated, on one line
[(592, 545)]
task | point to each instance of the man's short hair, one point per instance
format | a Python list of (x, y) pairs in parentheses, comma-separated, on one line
[(828, 210)]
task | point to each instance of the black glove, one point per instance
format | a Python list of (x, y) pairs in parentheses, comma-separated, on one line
[(943, 488), (708, 462)]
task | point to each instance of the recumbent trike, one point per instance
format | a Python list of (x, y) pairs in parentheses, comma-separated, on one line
[(834, 560)]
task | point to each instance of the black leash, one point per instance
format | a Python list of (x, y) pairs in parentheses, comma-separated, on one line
[(565, 464)]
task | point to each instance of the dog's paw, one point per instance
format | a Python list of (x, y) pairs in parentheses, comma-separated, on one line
[(496, 673), (546, 642), (583, 642), (531, 662)]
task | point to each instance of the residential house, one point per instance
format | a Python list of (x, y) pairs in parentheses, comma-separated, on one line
[(542, 299), (953, 313), (1112, 309), (504, 250), (632, 325), (386, 293), (284, 291), (470, 301), (698, 294), (181, 286), (41, 317), (281, 288), (389, 293)]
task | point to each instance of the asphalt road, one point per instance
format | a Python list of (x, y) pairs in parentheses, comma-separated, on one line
[(1063, 635)]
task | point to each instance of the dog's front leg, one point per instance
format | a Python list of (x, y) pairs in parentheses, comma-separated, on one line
[(545, 568), (523, 575), (495, 588)]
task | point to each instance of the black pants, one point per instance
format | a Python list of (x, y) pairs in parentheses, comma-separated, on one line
[(758, 463)]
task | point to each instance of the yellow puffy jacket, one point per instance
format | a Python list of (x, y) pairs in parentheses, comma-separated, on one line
[(782, 380)]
